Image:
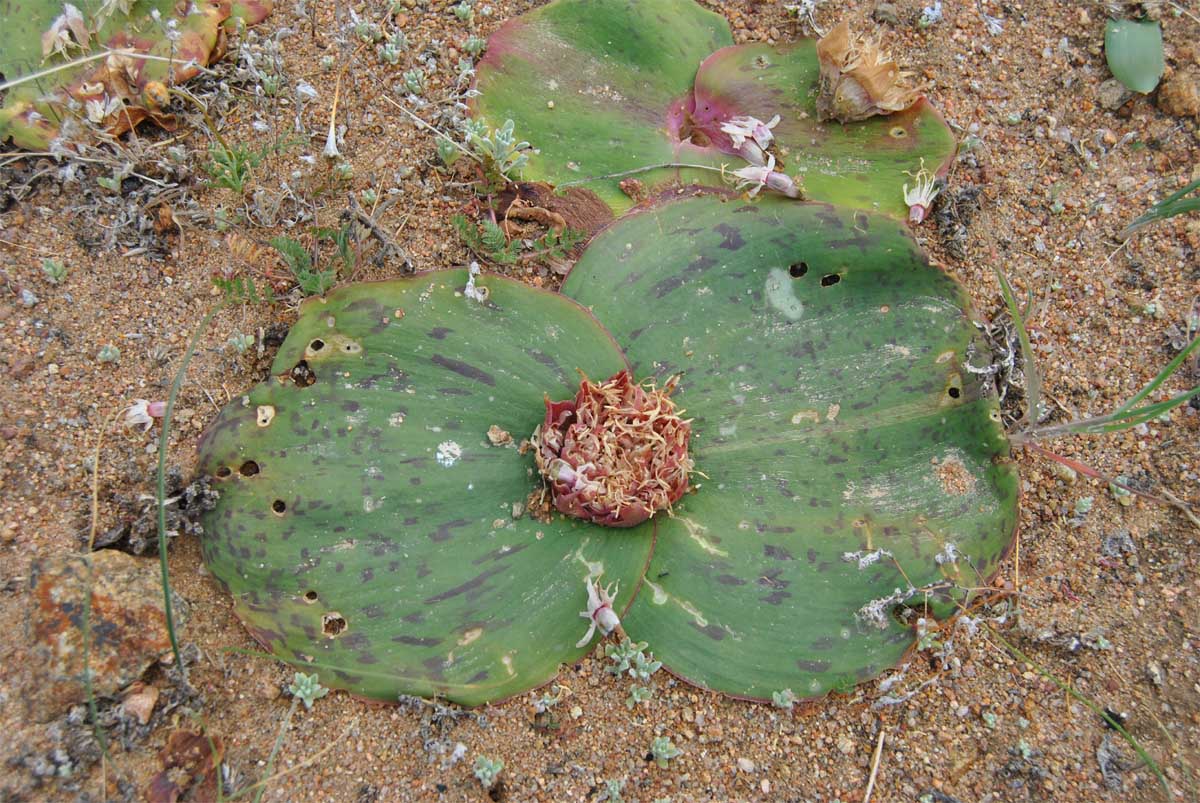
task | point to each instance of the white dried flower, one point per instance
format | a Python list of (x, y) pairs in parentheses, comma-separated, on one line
[(599, 613), (741, 129), (755, 177), (142, 413), (67, 31), (331, 150), (920, 197)]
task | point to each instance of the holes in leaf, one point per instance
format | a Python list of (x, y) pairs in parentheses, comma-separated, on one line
[(264, 415), (830, 279), (279, 507), (898, 132), (953, 392), (310, 596), (316, 345), (223, 472), (333, 624), (249, 469), (302, 375), (798, 269)]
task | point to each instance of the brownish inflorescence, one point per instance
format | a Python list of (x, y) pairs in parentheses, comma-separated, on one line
[(858, 80), (616, 453)]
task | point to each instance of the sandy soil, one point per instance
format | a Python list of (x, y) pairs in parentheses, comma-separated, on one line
[(1121, 629)]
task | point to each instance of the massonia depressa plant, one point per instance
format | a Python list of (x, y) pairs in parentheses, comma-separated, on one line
[(109, 62), (384, 523)]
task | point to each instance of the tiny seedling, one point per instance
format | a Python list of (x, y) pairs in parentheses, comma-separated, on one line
[(499, 152), (663, 750), (638, 694), (785, 699), (612, 790), (488, 770), (240, 342), (231, 166), (414, 80), (108, 353), (54, 270), (464, 11), (307, 689), (447, 151), (474, 45), (312, 282), (622, 655)]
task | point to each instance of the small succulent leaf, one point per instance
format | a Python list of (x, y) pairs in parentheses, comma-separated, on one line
[(847, 449), (1134, 51), (858, 164), (365, 527), (614, 72), (117, 92)]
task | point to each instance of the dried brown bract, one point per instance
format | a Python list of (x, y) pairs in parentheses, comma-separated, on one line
[(858, 80)]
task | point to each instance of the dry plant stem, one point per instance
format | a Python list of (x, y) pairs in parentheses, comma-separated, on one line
[(287, 720), (461, 149), (874, 765), (1167, 497), (636, 170), (163, 440), (96, 480)]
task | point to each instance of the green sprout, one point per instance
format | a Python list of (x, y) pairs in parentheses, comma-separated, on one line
[(638, 694), (612, 790), (312, 282), (108, 353), (663, 750), (1169, 207), (307, 689), (54, 270), (464, 11), (414, 80), (487, 770), (474, 45), (785, 699), (240, 342), (500, 153)]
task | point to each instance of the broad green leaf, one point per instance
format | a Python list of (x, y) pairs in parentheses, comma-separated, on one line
[(864, 165), (828, 369), (591, 84), (365, 527), (605, 86), (1134, 51)]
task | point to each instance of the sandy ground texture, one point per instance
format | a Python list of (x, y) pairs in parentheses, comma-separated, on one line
[(1054, 163)]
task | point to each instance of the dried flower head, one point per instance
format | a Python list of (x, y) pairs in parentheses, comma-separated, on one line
[(858, 80), (756, 176), (920, 197), (616, 453), (142, 413), (599, 613), (67, 31)]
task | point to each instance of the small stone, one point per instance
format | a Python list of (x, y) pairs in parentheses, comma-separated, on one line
[(1065, 473), (139, 702), (268, 689), (886, 13), (52, 369), (28, 298), (845, 744), (1180, 94), (128, 627), (576, 712), (8, 432), (1126, 184), (1154, 671), (745, 765), (1113, 94)]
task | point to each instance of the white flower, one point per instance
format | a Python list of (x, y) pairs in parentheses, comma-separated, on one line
[(921, 196), (755, 177), (599, 612), (143, 413), (331, 150), (740, 129)]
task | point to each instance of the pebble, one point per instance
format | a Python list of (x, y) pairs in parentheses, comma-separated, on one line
[(28, 298), (1112, 94), (745, 765), (1180, 94), (887, 13)]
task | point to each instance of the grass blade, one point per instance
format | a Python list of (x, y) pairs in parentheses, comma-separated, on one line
[(1172, 205)]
